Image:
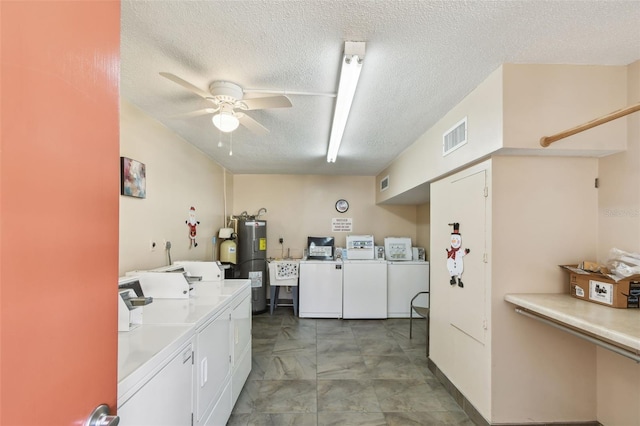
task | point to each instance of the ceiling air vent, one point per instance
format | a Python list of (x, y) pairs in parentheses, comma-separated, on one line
[(384, 183), (455, 137)]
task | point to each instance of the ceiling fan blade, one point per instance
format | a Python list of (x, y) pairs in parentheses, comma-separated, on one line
[(186, 85), (198, 112), (252, 124), (267, 102)]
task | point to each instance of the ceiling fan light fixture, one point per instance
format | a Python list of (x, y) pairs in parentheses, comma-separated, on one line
[(349, 75), (225, 121)]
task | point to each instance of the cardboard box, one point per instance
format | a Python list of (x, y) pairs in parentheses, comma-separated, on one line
[(601, 289)]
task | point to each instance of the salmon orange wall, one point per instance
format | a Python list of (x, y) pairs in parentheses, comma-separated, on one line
[(59, 194)]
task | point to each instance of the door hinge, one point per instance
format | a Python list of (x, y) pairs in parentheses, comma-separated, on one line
[(485, 258), (486, 191), (229, 359), (597, 183), (484, 324), (191, 419), (193, 358)]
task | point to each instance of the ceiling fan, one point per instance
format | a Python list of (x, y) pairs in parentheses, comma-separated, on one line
[(228, 105)]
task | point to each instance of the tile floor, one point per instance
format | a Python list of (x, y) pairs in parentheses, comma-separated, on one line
[(341, 372)]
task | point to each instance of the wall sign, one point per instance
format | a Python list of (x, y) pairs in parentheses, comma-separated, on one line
[(342, 224)]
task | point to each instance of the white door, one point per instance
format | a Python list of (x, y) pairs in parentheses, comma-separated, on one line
[(458, 320), (59, 145), (467, 302), (213, 365)]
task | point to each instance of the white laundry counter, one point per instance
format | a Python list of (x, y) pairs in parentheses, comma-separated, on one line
[(190, 357)]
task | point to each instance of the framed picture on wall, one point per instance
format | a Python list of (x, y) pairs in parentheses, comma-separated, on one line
[(133, 178)]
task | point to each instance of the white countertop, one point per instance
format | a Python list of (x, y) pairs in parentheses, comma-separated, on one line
[(167, 324), (208, 299), (619, 326), (142, 350)]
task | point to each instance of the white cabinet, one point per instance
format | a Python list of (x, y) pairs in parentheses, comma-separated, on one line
[(213, 362), (221, 410), (237, 358), (320, 289), (459, 320), (165, 398), (404, 280), (364, 289), (240, 343), (468, 206), (188, 361)]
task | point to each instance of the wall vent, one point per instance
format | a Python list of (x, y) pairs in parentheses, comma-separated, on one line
[(455, 137), (384, 183)]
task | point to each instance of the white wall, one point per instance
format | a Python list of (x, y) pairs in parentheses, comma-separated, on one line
[(619, 226), (544, 215), (299, 206), (178, 177), (524, 103), (510, 111), (423, 161), (511, 371), (541, 100), (424, 227)]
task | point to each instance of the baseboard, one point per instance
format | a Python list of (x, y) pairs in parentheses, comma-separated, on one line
[(473, 413)]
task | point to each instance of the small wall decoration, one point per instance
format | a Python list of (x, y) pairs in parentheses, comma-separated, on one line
[(192, 223), (455, 265), (133, 178)]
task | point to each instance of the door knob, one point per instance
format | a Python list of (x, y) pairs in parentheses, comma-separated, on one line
[(101, 417)]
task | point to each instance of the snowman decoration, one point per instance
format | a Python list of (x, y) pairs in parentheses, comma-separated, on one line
[(455, 265), (192, 223)]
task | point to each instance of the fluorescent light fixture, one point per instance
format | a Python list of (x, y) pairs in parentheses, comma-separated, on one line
[(349, 75), (226, 121)]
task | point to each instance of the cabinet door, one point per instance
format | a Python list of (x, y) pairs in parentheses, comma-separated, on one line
[(467, 205), (459, 199), (241, 317), (459, 315), (364, 287), (166, 399), (320, 290), (241, 344), (213, 361)]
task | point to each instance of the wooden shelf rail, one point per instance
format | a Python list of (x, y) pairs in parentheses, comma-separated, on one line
[(545, 141)]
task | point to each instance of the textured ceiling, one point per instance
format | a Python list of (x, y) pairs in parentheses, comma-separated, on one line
[(422, 58)]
